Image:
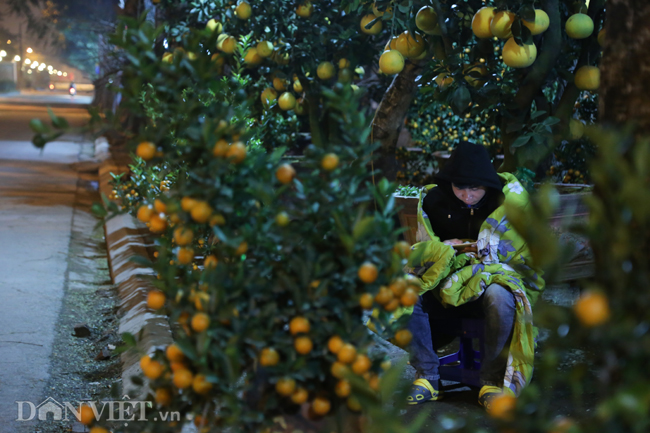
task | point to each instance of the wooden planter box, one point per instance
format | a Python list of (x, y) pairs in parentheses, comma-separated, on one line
[(571, 210)]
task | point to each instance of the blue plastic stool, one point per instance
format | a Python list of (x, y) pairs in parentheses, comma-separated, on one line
[(467, 361)]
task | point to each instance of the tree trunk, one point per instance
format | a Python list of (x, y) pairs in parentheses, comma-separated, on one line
[(624, 90), (389, 118), (625, 67)]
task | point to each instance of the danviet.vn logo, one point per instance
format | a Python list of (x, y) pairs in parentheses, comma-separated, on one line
[(111, 411)]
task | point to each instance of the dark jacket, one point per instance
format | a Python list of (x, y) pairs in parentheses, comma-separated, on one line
[(469, 164)]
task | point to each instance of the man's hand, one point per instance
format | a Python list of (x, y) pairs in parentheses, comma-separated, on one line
[(469, 249)]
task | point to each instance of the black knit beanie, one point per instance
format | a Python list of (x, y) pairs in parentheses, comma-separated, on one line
[(469, 165)]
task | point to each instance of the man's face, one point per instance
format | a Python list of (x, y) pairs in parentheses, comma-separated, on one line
[(469, 196)]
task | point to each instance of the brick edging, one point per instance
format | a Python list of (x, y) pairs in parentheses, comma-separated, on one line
[(127, 238)]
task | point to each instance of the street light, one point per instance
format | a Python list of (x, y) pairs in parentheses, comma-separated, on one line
[(59, 73), (65, 74), (29, 50), (27, 61), (49, 67), (17, 58), (35, 64), (3, 53), (9, 42)]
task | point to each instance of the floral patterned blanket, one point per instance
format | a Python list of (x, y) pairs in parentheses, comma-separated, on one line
[(503, 258)]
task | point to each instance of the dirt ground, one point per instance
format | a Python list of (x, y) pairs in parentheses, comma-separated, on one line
[(76, 374)]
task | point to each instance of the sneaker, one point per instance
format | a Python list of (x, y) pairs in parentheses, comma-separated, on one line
[(487, 394), (422, 391)]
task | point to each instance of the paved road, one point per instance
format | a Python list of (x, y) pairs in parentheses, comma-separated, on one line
[(36, 206), (40, 97)]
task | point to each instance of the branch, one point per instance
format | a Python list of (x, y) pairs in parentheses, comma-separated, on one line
[(386, 122), (390, 114), (543, 104)]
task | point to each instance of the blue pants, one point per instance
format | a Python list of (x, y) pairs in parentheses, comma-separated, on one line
[(496, 305)]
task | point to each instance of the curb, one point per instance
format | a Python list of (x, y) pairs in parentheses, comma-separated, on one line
[(127, 238)]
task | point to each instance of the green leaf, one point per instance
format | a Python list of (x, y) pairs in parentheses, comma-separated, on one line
[(390, 205), (391, 378), (551, 120), (526, 36), (460, 100), (532, 154), (537, 114), (363, 227), (98, 210), (404, 8), (516, 28), (527, 12), (372, 23), (60, 123), (39, 141), (39, 127), (141, 261), (514, 126), (129, 339), (105, 200), (120, 349), (520, 141), (187, 348), (385, 187), (541, 140)]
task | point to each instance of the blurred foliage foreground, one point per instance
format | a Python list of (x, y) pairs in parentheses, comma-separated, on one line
[(611, 319), (267, 274)]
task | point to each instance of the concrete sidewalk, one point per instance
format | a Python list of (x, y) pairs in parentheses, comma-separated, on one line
[(37, 194)]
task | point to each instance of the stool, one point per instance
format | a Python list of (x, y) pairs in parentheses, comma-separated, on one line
[(467, 370)]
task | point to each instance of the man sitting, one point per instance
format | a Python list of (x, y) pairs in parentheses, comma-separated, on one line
[(492, 278)]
